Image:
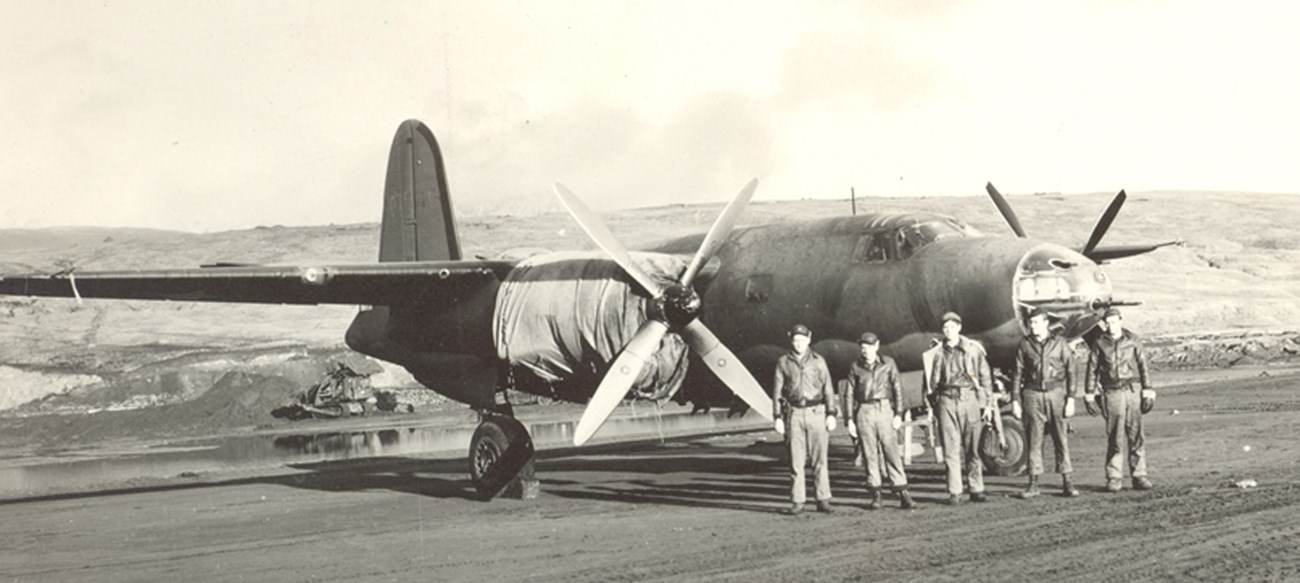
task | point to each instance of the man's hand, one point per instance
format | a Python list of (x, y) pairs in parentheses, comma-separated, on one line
[(853, 428), (779, 426), (1069, 407), (898, 422), (1148, 400), (831, 423), (1015, 409), (1090, 403), (986, 414)]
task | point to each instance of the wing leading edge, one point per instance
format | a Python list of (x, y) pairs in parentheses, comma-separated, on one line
[(370, 284)]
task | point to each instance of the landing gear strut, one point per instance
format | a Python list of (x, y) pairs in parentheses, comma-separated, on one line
[(501, 455)]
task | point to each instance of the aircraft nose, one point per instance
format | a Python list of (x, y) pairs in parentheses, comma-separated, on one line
[(1059, 280)]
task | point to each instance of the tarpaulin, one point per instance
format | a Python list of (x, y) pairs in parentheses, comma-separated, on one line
[(562, 315)]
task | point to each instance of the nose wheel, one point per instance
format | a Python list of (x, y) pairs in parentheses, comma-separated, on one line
[(501, 459)]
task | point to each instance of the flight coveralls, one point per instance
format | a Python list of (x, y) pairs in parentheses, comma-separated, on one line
[(1042, 381), (805, 385), (873, 399), (962, 384), (1118, 369)]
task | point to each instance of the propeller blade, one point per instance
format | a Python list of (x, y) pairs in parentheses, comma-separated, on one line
[(604, 239), (723, 363), (1005, 208), (719, 231), (1103, 223), (622, 373)]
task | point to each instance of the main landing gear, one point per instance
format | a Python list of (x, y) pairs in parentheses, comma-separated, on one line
[(1005, 454), (1003, 446), (501, 456)]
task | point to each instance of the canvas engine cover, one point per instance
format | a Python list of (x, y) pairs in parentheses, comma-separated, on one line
[(565, 316)]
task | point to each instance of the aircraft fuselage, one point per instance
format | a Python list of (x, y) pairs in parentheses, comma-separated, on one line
[(893, 274)]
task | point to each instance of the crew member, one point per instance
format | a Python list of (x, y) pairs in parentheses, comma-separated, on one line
[(874, 397), (960, 388), (1043, 388), (803, 383), (1116, 368)]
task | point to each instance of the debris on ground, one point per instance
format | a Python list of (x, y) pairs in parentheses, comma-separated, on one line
[(1247, 483), (342, 393)]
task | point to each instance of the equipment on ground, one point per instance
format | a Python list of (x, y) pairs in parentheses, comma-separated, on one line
[(343, 392)]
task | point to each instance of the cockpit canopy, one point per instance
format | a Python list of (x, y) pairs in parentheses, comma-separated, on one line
[(901, 241)]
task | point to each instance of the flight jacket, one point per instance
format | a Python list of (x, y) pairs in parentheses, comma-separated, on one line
[(874, 382), (805, 380), (967, 365), (1043, 366), (1113, 363)]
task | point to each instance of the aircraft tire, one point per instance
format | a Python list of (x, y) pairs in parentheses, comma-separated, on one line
[(501, 459), (1011, 460)]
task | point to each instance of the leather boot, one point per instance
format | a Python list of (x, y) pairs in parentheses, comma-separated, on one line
[(875, 499), (1067, 487), (1032, 491), (906, 500)]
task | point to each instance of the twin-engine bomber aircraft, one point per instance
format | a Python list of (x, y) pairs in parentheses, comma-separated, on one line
[(596, 328)]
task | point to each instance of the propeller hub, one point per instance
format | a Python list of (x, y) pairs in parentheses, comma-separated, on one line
[(680, 305)]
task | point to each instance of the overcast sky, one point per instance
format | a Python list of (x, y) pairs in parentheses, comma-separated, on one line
[(214, 115)]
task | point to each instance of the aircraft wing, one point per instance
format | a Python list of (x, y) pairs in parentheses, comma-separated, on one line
[(369, 284)]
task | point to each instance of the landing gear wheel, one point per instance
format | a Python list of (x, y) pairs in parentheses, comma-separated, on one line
[(501, 459), (1005, 461)]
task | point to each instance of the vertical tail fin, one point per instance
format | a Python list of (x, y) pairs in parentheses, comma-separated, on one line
[(418, 222)]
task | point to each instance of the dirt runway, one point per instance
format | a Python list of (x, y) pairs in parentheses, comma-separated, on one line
[(705, 509)]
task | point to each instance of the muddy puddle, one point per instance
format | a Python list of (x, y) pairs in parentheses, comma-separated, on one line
[(31, 474)]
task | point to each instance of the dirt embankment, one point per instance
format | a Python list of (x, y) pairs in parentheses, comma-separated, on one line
[(1222, 350), (198, 394)]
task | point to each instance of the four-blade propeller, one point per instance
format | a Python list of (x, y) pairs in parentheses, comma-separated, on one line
[(680, 309), (1089, 249)]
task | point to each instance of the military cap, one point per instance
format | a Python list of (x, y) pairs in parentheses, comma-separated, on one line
[(868, 338), (1111, 312), (800, 329), (951, 317), (1038, 311)]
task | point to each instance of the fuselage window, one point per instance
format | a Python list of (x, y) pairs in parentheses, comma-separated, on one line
[(758, 288)]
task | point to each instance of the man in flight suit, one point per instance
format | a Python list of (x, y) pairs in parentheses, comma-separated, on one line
[(804, 384), (1116, 368), (873, 399), (1043, 388), (960, 388)]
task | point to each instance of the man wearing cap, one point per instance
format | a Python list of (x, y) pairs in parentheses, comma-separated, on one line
[(1043, 388), (1116, 367), (873, 398), (960, 385), (804, 384)]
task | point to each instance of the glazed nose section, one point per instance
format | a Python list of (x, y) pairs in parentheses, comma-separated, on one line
[(1061, 281)]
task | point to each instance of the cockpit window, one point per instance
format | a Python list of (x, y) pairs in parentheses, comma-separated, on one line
[(913, 237), (902, 242), (873, 247)]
